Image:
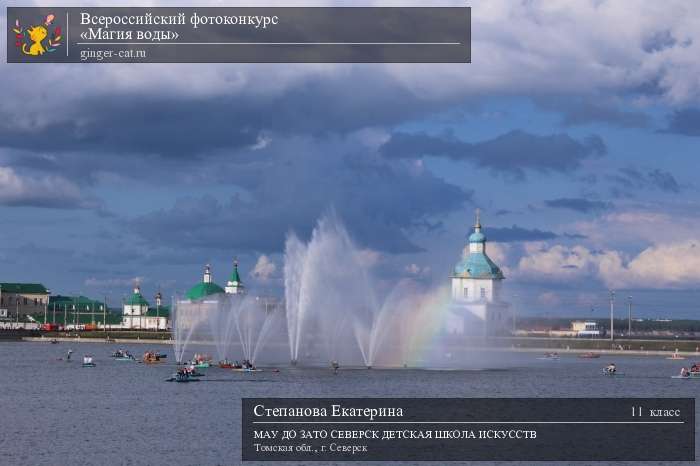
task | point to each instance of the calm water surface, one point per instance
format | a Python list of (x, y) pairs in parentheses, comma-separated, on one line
[(123, 413)]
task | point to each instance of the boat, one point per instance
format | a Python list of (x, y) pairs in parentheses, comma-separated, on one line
[(192, 371), (201, 361), (149, 357), (246, 369), (225, 365), (181, 377), (691, 375), (610, 373), (87, 361), (123, 355), (550, 357), (676, 356), (54, 341), (589, 355)]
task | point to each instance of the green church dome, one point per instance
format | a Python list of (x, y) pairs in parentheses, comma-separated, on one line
[(201, 290), (136, 298), (205, 288)]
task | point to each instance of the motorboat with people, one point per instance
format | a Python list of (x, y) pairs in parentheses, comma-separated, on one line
[(550, 357), (335, 366), (88, 362), (201, 361), (589, 355), (225, 364), (611, 369), (245, 366), (676, 356), (686, 373), (151, 357), (54, 341), (192, 371), (182, 376), (123, 355)]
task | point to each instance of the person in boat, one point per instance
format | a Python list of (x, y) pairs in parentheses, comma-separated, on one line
[(685, 372), (68, 356), (695, 368), (335, 366), (611, 369)]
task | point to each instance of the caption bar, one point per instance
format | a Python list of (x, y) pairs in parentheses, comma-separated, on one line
[(239, 35), (471, 429)]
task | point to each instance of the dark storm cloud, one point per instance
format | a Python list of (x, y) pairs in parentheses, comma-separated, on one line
[(631, 178), (578, 204), (591, 110), (658, 41), (512, 153), (379, 201), (183, 126), (685, 122)]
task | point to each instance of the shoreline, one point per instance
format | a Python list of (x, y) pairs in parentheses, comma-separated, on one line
[(504, 349)]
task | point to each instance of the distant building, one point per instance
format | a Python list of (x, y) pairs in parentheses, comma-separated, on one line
[(477, 307), (22, 299), (587, 328), (137, 314), (234, 284)]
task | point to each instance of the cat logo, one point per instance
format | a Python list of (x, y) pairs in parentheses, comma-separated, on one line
[(35, 40)]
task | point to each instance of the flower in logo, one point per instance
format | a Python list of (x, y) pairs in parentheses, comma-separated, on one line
[(31, 40)]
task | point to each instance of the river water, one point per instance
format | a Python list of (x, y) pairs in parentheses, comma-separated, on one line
[(123, 413)]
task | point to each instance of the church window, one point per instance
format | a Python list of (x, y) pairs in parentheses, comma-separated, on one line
[(483, 293), (466, 292)]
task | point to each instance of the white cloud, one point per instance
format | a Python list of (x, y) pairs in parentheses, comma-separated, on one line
[(38, 191), (676, 224), (417, 270), (673, 265), (113, 282), (264, 268)]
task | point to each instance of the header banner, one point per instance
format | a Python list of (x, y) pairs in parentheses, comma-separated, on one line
[(239, 35)]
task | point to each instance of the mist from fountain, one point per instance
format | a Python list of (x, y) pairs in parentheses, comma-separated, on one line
[(330, 297)]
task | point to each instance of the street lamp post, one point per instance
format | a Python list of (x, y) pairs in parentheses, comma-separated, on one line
[(612, 315), (629, 316)]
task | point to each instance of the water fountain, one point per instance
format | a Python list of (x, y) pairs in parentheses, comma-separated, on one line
[(331, 297), (333, 311), (229, 324)]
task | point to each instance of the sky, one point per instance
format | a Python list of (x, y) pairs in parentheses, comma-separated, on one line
[(575, 130)]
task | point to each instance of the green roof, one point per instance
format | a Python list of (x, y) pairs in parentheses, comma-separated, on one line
[(136, 299), (28, 288), (203, 289), (81, 301), (162, 311), (235, 277)]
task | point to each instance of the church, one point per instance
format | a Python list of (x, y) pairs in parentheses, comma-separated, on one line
[(476, 306)]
